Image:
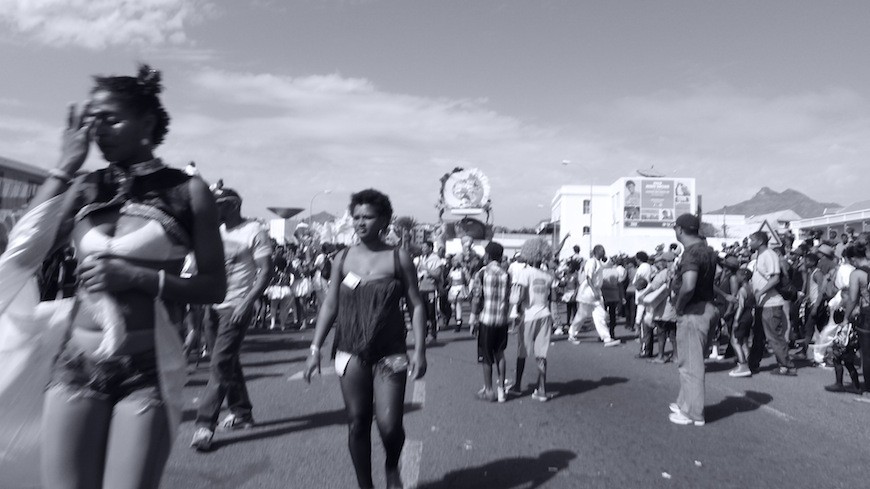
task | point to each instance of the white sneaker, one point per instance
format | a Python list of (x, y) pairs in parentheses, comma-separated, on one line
[(540, 397), (233, 422), (501, 395), (202, 439), (682, 419), (613, 343)]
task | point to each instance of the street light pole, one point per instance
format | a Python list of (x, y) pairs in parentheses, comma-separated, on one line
[(311, 206)]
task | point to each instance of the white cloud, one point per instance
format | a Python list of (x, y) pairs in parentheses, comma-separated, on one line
[(281, 139), (97, 24)]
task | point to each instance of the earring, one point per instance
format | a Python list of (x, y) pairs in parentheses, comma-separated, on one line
[(145, 142)]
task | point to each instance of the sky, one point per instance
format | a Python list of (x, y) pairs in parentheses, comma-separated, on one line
[(286, 99)]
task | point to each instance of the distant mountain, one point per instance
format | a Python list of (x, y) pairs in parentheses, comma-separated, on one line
[(767, 201)]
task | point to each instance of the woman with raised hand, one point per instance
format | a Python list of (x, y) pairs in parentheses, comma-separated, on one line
[(113, 401), (368, 283)]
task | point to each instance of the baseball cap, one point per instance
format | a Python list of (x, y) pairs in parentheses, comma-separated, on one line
[(689, 222)]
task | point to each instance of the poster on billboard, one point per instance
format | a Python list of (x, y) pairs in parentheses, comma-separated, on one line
[(656, 202)]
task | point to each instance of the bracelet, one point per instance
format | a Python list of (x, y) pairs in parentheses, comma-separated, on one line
[(315, 350), (161, 281), (61, 175)]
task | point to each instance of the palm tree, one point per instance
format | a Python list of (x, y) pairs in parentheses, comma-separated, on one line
[(404, 225)]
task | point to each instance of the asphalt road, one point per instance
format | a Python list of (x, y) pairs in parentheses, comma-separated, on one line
[(606, 427)]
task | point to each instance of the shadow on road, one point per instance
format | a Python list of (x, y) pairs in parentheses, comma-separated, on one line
[(270, 345), (271, 363), (444, 341), (750, 401), (579, 386), (280, 427), (191, 382), (507, 473)]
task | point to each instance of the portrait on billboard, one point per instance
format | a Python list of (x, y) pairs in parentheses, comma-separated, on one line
[(682, 190), (632, 195)]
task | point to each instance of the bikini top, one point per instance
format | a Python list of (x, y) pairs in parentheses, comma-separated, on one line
[(149, 242), (156, 194)]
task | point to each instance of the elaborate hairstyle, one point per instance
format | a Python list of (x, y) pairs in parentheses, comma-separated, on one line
[(378, 200), (536, 250), (140, 93)]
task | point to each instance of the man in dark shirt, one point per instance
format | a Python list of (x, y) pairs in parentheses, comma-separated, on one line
[(693, 302)]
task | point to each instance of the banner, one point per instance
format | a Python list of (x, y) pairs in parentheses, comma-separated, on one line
[(656, 202)]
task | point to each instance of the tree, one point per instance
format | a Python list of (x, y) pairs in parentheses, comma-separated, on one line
[(404, 225)]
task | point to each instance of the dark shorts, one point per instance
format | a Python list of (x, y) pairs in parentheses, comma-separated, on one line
[(665, 326), (109, 380), (491, 340), (743, 328)]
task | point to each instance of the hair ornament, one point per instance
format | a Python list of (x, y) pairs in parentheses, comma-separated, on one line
[(149, 80)]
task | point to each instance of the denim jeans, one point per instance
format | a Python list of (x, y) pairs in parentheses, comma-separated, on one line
[(227, 379), (693, 328)]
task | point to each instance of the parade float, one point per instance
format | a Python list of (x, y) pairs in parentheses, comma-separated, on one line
[(464, 210)]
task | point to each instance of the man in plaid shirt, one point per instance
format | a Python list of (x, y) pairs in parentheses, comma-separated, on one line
[(490, 306)]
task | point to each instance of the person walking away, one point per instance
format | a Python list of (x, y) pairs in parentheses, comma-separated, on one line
[(771, 316), (571, 285), (533, 285), (693, 286), (591, 301), (611, 291), (458, 291), (248, 263), (741, 322), (428, 272), (490, 308)]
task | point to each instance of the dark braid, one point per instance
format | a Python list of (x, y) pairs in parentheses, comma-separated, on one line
[(140, 93)]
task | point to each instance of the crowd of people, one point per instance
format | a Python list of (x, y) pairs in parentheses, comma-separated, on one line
[(130, 255)]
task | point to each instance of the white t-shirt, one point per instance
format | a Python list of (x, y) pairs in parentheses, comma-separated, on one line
[(591, 278), (515, 267), (537, 284), (243, 245), (767, 267)]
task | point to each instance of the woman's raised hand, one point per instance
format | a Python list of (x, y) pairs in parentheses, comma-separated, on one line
[(76, 139)]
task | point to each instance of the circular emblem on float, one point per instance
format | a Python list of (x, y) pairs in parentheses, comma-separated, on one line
[(466, 189)]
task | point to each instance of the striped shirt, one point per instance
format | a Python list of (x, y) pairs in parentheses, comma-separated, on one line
[(490, 295)]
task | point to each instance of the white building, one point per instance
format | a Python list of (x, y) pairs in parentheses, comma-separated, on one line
[(628, 216), (855, 217)]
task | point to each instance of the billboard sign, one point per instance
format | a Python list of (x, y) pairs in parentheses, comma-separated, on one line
[(656, 202)]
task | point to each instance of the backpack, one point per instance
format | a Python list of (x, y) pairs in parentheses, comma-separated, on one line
[(786, 286)]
